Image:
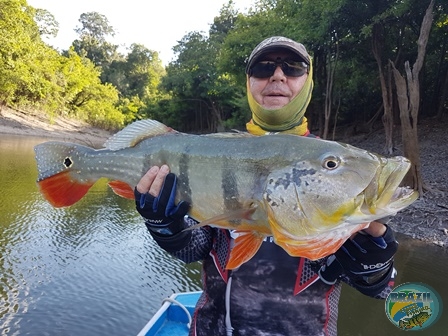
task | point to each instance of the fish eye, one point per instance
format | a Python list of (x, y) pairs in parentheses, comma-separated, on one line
[(331, 163)]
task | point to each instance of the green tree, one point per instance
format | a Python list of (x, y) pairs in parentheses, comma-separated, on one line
[(95, 26), (435, 80), (143, 71), (204, 96), (18, 34), (48, 26), (28, 68), (188, 79), (33, 74), (137, 78), (92, 42), (85, 96)]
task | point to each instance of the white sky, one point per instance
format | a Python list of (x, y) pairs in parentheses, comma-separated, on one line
[(157, 24)]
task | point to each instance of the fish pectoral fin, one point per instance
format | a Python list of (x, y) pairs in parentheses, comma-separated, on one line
[(246, 245), (122, 189), (224, 221), (62, 190)]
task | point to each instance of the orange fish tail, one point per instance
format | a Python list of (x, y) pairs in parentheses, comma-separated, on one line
[(61, 190)]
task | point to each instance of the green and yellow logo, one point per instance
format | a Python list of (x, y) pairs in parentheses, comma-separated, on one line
[(413, 306)]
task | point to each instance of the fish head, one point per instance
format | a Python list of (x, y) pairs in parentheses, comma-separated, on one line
[(384, 194), (331, 187)]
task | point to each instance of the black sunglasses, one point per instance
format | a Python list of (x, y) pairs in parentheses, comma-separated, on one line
[(266, 69)]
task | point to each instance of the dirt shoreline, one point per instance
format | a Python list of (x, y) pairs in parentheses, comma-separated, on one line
[(425, 220), (19, 123)]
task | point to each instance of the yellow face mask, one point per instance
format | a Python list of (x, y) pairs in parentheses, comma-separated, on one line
[(286, 118)]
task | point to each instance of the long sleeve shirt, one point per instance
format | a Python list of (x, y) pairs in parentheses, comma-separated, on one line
[(271, 294)]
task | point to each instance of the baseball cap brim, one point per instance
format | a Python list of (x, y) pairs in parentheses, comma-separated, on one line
[(276, 43)]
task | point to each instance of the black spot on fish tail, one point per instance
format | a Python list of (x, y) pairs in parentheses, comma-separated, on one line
[(184, 187), (68, 162)]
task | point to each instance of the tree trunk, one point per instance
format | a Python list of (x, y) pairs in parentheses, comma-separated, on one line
[(336, 118), (216, 117), (408, 94), (408, 131), (386, 90), (442, 98), (319, 74), (331, 66)]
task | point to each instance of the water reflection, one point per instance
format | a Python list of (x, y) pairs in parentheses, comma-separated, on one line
[(415, 262), (92, 269)]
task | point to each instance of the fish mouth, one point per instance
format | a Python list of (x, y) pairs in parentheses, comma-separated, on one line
[(384, 193)]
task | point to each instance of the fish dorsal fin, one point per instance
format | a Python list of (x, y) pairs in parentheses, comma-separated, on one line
[(136, 132)]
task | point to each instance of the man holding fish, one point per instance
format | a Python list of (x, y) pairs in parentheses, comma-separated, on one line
[(266, 291)]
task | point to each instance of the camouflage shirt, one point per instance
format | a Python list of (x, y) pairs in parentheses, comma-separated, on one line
[(272, 294)]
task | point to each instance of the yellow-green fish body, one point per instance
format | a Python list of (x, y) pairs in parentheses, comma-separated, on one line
[(309, 194)]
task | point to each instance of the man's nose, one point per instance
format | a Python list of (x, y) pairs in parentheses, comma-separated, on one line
[(278, 73)]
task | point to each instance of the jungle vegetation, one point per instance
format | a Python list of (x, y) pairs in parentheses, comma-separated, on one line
[(374, 61)]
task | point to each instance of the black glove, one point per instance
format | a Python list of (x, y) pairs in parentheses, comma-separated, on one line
[(365, 260), (162, 216)]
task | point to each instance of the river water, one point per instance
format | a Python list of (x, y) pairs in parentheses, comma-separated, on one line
[(92, 269)]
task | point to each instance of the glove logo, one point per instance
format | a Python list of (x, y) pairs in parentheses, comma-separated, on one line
[(375, 266), (413, 306), (155, 221)]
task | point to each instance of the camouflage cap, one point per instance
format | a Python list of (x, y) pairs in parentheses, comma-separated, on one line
[(275, 43)]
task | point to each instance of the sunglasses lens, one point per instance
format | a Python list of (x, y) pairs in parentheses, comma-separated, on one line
[(263, 69), (266, 69), (294, 69)]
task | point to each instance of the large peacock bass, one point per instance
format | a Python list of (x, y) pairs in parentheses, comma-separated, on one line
[(309, 194)]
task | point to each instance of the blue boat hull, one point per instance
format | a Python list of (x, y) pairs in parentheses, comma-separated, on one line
[(173, 317)]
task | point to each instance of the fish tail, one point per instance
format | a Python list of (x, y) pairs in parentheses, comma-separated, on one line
[(60, 174), (61, 190)]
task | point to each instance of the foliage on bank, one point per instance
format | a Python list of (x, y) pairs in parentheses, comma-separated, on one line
[(203, 88)]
